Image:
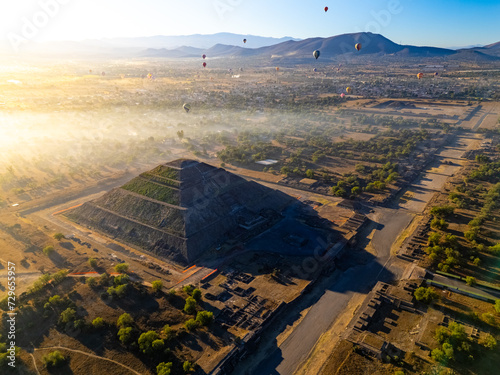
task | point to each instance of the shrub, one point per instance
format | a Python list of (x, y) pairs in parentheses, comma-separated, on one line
[(146, 341), (121, 279), (442, 211), (157, 285), (191, 324), (54, 359), (205, 318), (497, 305), (49, 250), (188, 367), (157, 345), (197, 295), (125, 335), (438, 355), (59, 236), (98, 323), (91, 282), (426, 295), (190, 306), (164, 368), (122, 267), (167, 332), (188, 289), (489, 342), (124, 320), (93, 262), (67, 315), (470, 280)]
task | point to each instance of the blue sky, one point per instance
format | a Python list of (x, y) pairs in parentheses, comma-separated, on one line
[(441, 23)]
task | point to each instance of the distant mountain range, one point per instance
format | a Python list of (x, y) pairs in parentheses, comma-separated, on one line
[(231, 45), (372, 44)]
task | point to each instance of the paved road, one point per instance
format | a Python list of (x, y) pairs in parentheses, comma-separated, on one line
[(295, 349), (491, 293)]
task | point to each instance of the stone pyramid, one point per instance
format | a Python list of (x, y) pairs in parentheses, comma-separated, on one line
[(180, 209)]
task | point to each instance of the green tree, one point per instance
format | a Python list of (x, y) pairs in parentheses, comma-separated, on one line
[(164, 368), (426, 295), (98, 323), (167, 332), (448, 351), (93, 262), (310, 173), (197, 295), (442, 211), (49, 250), (125, 335), (54, 359), (59, 236), (191, 324), (356, 190), (190, 306), (470, 280), (497, 306), (439, 224), (489, 342), (188, 289), (146, 342), (122, 267), (157, 345), (438, 355), (157, 285), (124, 320), (91, 282), (187, 367), (205, 318), (67, 315), (121, 279)]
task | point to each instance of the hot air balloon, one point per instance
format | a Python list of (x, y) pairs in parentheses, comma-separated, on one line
[(357, 46), (103, 74), (90, 70), (150, 75), (348, 90), (342, 95), (204, 64), (315, 70), (326, 9), (316, 54), (436, 74), (244, 40), (187, 107), (420, 75), (277, 69), (204, 56)]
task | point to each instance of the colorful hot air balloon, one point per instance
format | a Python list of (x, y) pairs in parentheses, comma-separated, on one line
[(316, 54), (204, 64), (315, 70), (342, 95), (244, 40), (357, 46), (420, 75), (204, 56), (326, 9), (348, 90), (436, 74), (150, 75), (187, 107), (277, 69)]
